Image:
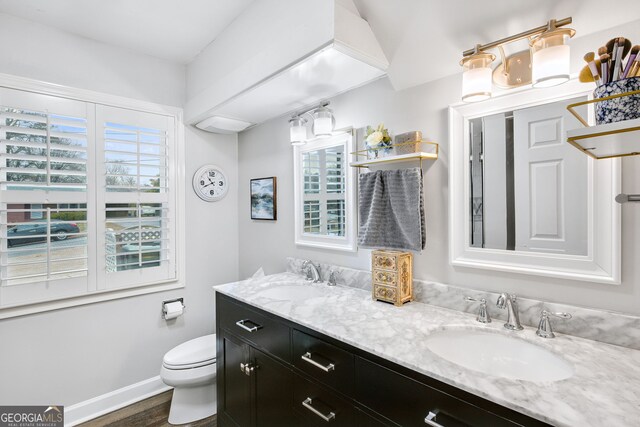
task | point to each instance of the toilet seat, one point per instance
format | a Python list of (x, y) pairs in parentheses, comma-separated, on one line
[(195, 353)]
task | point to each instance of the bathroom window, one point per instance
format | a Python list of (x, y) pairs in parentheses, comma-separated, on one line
[(136, 204), (325, 191), (87, 199)]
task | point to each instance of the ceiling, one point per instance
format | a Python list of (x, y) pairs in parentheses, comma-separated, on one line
[(422, 39), (176, 30)]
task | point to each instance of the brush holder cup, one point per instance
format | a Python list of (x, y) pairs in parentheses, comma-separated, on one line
[(617, 109)]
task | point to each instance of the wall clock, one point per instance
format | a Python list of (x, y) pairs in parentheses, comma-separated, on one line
[(210, 183)]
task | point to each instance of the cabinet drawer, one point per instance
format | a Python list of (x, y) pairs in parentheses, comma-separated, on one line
[(384, 261), (385, 277), (385, 293), (319, 406), (327, 363), (265, 333), (408, 402)]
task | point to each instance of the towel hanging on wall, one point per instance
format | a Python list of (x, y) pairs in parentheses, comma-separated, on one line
[(391, 210)]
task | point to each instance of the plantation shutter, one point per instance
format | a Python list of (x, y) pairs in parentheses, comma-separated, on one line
[(335, 191), (137, 236), (45, 153), (323, 175)]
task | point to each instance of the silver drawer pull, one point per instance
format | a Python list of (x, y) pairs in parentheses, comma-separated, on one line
[(431, 419), (307, 404), (247, 368), (241, 323), (307, 358)]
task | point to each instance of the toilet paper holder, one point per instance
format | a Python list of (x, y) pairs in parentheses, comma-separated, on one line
[(164, 305)]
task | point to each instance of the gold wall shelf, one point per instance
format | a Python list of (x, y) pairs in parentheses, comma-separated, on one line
[(619, 139), (606, 141), (432, 154)]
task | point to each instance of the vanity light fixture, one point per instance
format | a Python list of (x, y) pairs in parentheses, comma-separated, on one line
[(550, 64), (298, 131), (546, 62), (476, 78), (322, 124)]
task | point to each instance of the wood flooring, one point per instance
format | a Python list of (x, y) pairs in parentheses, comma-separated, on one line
[(151, 412)]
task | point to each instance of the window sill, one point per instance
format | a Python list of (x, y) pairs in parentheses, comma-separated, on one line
[(328, 244), (95, 297)]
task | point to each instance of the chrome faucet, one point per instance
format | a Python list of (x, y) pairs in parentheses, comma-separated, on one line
[(508, 301), (311, 271)]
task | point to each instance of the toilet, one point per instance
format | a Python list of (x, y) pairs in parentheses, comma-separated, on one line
[(191, 369)]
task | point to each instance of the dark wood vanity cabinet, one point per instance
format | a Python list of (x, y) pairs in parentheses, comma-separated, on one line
[(273, 372), (254, 387)]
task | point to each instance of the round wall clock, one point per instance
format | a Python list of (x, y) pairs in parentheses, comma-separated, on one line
[(210, 183)]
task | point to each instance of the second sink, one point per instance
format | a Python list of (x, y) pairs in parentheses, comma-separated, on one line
[(499, 355)]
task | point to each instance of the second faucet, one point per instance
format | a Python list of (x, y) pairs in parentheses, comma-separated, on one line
[(508, 301)]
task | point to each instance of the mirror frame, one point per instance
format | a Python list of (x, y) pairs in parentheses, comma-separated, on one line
[(602, 264)]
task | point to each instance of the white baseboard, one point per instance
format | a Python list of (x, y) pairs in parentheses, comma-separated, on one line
[(114, 400)]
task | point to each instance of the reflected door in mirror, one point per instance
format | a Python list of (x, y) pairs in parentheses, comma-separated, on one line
[(528, 185)]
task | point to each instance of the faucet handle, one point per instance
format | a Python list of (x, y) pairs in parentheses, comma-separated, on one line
[(544, 327), (483, 313), (503, 297), (306, 270), (332, 277)]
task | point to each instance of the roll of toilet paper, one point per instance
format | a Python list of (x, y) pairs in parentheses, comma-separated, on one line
[(173, 310)]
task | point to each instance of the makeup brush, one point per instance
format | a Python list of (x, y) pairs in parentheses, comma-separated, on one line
[(626, 46), (604, 67), (616, 65), (613, 53), (602, 50), (585, 73), (610, 44), (625, 43), (635, 68), (589, 59), (630, 61)]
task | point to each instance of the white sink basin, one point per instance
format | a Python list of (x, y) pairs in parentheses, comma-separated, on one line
[(292, 292), (499, 355)]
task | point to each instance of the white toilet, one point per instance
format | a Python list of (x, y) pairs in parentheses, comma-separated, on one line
[(191, 369)]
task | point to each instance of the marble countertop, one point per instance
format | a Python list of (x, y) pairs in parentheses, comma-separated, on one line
[(605, 389)]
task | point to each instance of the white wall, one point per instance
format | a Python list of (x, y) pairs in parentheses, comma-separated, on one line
[(265, 151), (71, 355)]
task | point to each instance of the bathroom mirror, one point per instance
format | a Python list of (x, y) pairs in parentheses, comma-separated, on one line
[(525, 200), (528, 187)]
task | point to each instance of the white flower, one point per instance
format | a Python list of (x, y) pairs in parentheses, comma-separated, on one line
[(375, 139)]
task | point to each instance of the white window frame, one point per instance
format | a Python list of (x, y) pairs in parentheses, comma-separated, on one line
[(98, 294), (347, 242)]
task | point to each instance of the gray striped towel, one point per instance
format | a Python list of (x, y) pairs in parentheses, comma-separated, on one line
[(391, 210)]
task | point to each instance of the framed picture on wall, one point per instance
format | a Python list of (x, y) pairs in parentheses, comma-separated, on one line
[(264, 201)]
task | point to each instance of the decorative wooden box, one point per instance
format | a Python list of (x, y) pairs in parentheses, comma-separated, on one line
[(392, 276)]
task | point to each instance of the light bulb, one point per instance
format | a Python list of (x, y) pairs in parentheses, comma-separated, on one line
[(551, 64), (477, 77), (323, 122), (297, 131)]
